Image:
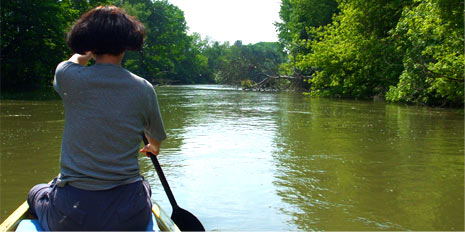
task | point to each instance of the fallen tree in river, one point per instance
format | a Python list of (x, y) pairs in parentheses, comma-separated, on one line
[(278, 83)]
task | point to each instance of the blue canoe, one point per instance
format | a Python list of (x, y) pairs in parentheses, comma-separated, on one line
[(20, 220)]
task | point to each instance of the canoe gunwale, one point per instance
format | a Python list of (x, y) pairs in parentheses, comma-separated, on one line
[(12, 221), (164, 222)]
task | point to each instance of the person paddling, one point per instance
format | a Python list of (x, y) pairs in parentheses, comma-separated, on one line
[(107, 108)]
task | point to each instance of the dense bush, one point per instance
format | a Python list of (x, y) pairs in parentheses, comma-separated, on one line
[(408, 51)]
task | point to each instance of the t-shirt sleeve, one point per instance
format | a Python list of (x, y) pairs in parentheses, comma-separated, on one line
[(154, 127), (61, 72)]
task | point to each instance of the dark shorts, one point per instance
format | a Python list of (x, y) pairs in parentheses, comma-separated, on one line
[(123, 208)]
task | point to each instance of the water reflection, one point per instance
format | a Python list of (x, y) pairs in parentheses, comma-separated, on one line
[(364, 166), (224, 144), (274, 161)]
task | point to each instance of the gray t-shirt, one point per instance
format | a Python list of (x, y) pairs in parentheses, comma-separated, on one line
[(106, 110)]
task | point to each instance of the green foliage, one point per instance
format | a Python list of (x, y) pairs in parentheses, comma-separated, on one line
[(409, 51), (434, 59), (33, 42), (168, 53), (354, 60), (247, 62), (298, 17), (246, 84)]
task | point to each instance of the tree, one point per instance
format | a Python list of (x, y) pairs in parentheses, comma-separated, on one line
[(247, 62), (430, 34), (353, 56), (32, 42), (169, 54), (298, 17), (408, 51)]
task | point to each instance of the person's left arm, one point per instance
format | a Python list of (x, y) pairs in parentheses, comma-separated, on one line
[(154, 129)]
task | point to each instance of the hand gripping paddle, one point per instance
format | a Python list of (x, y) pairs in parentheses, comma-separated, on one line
[(185, 220)]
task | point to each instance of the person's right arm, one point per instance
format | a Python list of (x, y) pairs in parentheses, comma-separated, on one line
[(153, 146)]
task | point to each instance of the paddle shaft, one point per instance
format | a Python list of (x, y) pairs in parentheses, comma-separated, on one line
[(185, 220), (162, 177)]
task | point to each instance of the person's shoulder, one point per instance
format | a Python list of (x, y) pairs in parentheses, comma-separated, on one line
[(141, 81), (65, 66)]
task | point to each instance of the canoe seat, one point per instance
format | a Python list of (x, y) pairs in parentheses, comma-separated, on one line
[(28, 225)]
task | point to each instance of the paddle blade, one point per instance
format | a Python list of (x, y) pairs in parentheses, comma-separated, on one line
[(186, 221)]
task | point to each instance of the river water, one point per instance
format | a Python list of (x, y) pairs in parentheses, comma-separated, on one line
[(274, 161)]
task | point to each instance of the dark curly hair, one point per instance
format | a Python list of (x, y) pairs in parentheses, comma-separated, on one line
[(106, 30)]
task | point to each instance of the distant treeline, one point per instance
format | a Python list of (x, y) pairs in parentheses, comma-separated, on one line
[(403, 50), (33, 42)]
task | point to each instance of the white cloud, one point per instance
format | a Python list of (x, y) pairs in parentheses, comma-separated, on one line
[(229, 20)]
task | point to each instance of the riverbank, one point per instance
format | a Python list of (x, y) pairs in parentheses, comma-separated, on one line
[(48, 93)]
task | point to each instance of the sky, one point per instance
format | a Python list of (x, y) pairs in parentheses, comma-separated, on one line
[(229, 20)]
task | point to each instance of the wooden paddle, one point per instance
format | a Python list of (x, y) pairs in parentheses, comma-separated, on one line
[(185, 220)]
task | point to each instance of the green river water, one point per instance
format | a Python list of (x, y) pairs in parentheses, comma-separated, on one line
[(274, 161)]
